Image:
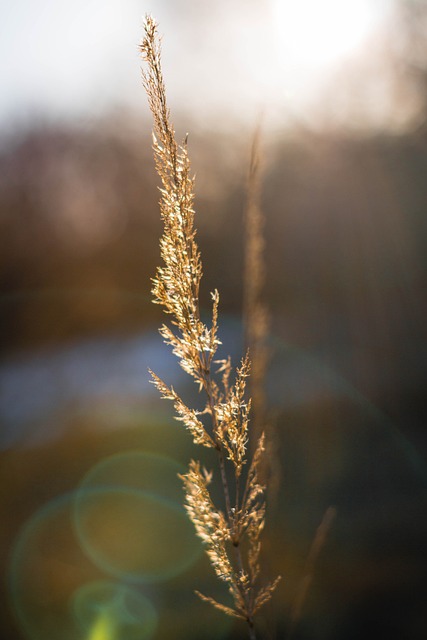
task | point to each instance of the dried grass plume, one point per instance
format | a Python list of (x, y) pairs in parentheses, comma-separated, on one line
[(231, 535)]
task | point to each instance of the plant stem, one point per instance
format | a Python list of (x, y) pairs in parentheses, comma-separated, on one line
[(207, 383), (252, 634)]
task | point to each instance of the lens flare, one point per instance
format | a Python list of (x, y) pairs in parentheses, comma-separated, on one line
[(103, 629), (55, 591), (45, 562), (129, 518), (107, 610)]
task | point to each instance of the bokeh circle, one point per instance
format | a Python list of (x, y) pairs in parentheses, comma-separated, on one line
[(106, 609), (48, 571), (129, 518)]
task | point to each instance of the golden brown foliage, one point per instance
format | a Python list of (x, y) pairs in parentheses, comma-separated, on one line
[(176, 288)]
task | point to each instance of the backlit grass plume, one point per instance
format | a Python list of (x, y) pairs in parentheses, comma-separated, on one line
[(231, 535)]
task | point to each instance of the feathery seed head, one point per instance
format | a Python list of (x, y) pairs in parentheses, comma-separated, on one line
[(176, 288)]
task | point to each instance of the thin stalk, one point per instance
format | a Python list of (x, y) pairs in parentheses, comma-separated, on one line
[(208, 389)]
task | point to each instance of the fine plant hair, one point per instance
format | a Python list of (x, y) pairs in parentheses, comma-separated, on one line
[(231, 536)]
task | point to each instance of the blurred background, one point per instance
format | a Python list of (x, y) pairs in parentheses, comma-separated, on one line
[(94, 542)]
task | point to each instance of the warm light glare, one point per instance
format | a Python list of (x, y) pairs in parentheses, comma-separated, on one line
[(317, 33), (102, 628)]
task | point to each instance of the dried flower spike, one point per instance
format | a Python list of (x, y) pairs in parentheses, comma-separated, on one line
[(176, 288)]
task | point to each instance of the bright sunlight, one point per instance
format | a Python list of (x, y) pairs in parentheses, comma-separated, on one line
[(319, 33)]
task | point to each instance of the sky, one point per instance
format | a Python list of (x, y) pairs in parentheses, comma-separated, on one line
[(62, 59)]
